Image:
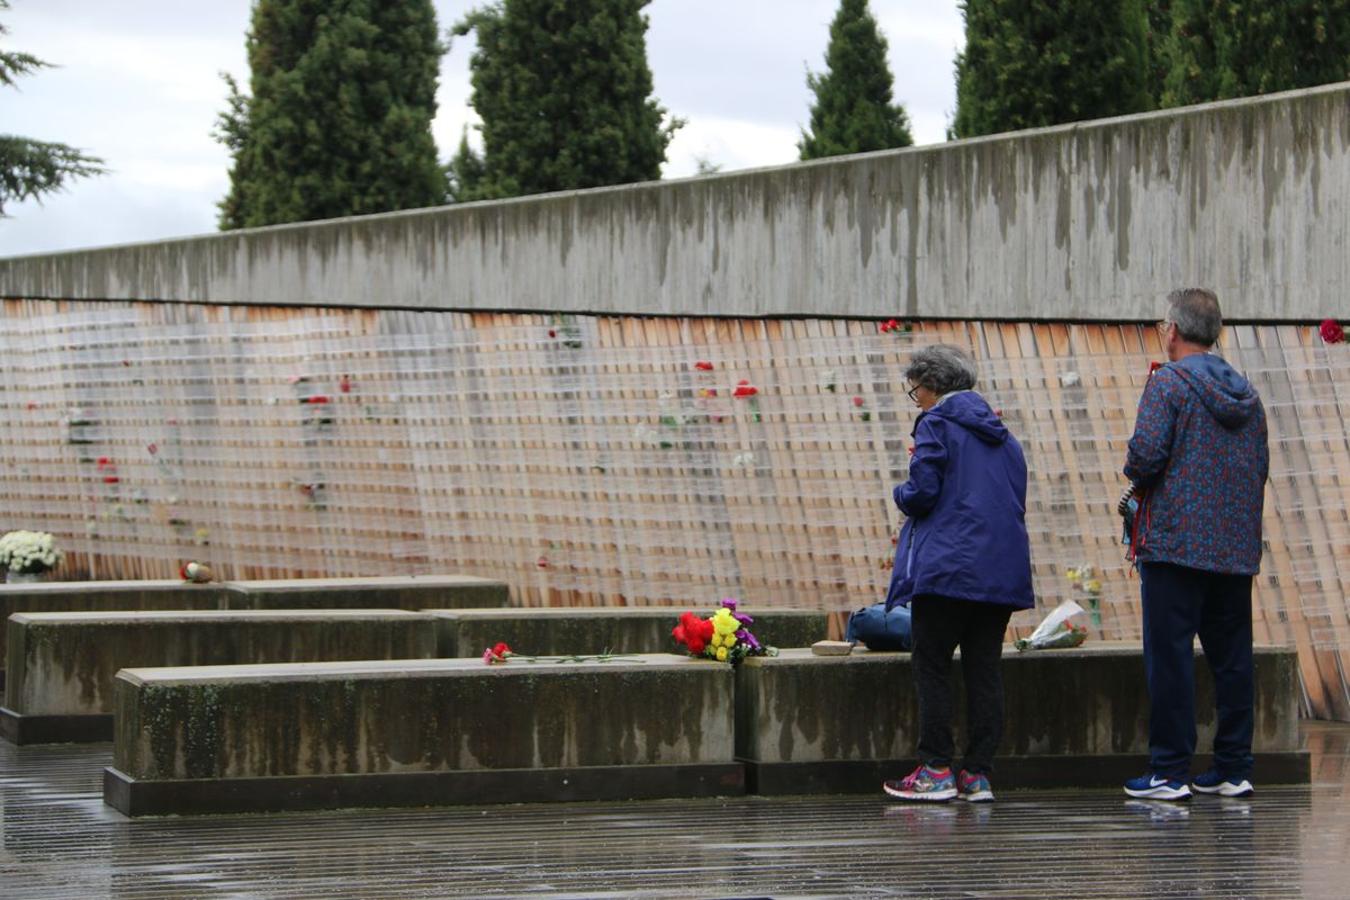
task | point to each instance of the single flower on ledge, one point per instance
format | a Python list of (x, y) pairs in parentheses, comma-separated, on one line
[(1331, 331)]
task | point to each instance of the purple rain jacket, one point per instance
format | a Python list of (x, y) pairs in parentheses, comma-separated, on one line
[(1200, 456), (965, 535)]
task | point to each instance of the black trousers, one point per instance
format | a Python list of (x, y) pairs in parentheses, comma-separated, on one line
[(1180, 603), (940, 626)]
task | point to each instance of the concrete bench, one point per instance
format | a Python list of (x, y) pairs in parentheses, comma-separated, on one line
[(62, 664), (397, 592), (556, 631), (1074, 718), (89, 596), (418, 733)]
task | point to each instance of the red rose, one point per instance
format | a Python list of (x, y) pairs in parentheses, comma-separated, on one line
[(111, 479), (744, 389), (858, 401), (182, 572), (1332, 332), (552, 333), (703, 365), (500, 650), (104, 462)]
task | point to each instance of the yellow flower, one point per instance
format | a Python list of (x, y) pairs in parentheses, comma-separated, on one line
[(1072, 574), (721, 654), (716, 640), (1093, 587), (724, 621)]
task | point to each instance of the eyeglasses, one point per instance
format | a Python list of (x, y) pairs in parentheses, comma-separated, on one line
[(914, 393)]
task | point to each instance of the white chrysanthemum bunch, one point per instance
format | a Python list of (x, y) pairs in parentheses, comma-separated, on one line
[(29, 552)]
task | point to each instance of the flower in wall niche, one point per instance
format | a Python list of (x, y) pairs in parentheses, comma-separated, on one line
[(29, 552), (860, 403), (1331, 331), (1085, 579), (894, 326), (744, 390), (703, 365), (830, 380)]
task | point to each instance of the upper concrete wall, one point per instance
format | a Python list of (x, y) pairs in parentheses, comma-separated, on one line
[(1086, 221)]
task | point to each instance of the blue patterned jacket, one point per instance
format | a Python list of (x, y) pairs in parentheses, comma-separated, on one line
[(1199, 458)]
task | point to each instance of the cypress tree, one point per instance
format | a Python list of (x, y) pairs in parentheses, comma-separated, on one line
[(563, 89), (1031, 63), (339, 119), (853, 112), (1236, 48)]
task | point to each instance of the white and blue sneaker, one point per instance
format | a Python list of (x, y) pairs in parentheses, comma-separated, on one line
[(1155, 787), (1212, 782)]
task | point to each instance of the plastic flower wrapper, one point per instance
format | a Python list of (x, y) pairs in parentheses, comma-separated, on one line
[(724, 636), (1056, 630)]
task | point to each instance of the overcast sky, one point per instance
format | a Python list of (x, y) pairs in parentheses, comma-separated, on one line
[(139, 85)]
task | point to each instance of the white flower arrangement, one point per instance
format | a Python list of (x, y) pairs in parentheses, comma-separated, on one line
[(29, 552)]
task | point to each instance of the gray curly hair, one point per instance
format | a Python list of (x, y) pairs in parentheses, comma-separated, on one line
[(941, 368)]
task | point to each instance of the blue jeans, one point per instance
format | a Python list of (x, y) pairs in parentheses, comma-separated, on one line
[(1179, 603)]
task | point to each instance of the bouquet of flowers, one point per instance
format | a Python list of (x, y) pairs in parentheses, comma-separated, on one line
[(724, 636), (29, 552)]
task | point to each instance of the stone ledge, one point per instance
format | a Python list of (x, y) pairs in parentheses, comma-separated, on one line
[(201, 728), (284, 794), (553, 631), (822, 721), (1010, 772), (62, 664)]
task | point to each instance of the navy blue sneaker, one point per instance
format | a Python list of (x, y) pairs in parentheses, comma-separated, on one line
[(1155, 787), (1212, 782)]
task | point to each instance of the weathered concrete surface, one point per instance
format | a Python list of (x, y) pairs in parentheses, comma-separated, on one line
[(102, 596), (572, 630), (63, 663), (309, 728), (1095, 220), (1087, 705), (410, 592)]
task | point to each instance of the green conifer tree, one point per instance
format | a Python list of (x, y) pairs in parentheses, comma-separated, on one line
[(563, 89), (1239, 48), (339, 119), (853, 112), (32, 169), (1031, 63)]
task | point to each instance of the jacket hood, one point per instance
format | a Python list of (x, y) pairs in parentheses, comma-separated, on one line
[(969, 410), (1229, 397)]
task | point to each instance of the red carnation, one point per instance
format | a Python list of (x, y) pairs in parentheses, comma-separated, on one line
[(1331, 331), (500, 649), (744, 389), (858, 401), (552, 333), (703, 365)]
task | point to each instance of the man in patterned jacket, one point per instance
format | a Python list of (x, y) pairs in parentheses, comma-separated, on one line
[(1198, 462)]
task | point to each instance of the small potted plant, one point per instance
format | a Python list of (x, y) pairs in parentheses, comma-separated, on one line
[(28, 555)]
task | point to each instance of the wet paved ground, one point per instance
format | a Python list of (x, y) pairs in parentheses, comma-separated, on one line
[(60, 841)]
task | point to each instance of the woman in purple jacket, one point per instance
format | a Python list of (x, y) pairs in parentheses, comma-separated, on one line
[(963, 564)]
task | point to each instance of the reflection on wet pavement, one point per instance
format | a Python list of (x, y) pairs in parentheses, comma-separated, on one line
[(58, 840)]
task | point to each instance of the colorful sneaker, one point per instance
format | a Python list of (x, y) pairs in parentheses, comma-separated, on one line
[(923, 783), (1155, 787), (1212, 782), (974, 787)]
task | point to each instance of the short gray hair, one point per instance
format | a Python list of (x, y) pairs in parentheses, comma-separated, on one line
[(1195, 313), (942, 369)]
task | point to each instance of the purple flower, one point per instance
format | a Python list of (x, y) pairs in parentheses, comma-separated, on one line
[(748, 639), (729, 603), (743, 618)]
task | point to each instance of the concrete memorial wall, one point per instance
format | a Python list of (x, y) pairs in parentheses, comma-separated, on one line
[(664, 394)]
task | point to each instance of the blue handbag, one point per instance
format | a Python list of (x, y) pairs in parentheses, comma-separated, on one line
[(878, 629)]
